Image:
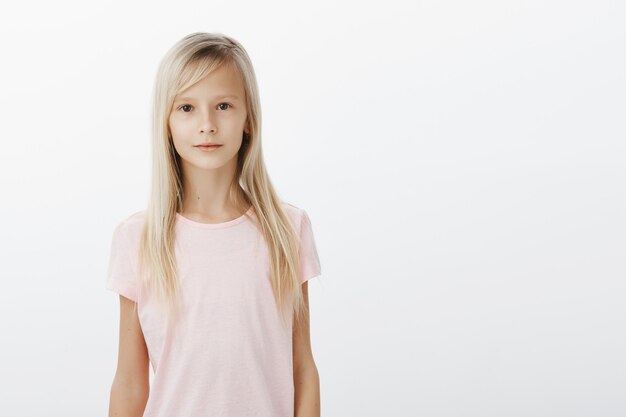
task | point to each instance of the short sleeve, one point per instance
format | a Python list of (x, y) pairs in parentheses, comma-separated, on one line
[(309, 259), (121, 272)]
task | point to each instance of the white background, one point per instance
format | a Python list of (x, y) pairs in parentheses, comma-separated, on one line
[(462, 164)]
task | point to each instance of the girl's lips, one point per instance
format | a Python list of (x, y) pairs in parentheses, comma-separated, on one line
[(209, 148)]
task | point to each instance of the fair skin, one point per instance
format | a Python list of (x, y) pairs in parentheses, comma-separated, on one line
[(130, 388), (202, 114), (305, 376), (211, 111)]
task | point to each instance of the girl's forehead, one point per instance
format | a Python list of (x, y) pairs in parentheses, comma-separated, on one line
[(221, 83), (191, 97)]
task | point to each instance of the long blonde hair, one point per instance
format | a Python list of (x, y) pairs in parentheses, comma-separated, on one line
[(187, 62)]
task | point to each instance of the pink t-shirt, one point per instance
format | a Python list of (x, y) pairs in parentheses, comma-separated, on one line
[(231, 356)]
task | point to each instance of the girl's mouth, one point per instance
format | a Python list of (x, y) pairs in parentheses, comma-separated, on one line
[(208, 148)]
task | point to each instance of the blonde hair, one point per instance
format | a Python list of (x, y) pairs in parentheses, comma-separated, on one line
[(187, 62)]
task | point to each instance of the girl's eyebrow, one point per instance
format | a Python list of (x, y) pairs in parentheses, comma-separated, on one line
[(216, 97)]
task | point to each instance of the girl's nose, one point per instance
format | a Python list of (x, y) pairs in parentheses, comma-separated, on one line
[(208, 125)]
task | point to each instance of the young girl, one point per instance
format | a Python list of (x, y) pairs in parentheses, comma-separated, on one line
[(212, 275)]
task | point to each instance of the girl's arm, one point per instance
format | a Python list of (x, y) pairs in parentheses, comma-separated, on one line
[(129, 392), (305, 375)]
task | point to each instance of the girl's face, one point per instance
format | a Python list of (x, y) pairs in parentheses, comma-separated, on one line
[(211, 111)]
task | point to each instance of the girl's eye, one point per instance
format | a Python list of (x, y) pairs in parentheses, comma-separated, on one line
[(188, 105)]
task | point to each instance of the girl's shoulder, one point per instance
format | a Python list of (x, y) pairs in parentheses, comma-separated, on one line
[(131, 224), (134, 218), (289, 207), (292, 210), (298, 215)]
